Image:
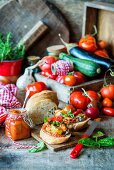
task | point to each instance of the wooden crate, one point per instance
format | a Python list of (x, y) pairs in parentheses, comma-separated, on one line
[(101, 15)]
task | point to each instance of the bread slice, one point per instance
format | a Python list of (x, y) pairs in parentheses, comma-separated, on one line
[(48, 138), (46, 94), (37, 109)]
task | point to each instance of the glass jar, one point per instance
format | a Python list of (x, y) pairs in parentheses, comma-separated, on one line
[(15, 126)]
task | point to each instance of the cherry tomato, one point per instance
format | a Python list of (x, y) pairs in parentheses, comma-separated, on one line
[(108, 91), (70, 80), (102, 44), (49, 74), (80, 78), (46, 62), (102, 53), (108, 111), (78, 111), (93, 95), (88, 43), (56, 119), (60, 79), (68, 107), (36, 87), (107, 102), (78, 100), (92, 112)]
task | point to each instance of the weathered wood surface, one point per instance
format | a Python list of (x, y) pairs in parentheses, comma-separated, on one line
[(90, 158), (101, 15), (23, 17)]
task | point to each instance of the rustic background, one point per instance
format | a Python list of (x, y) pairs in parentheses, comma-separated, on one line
[(73, 12)]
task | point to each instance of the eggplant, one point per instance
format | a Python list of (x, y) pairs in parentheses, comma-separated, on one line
[(80, 53), (83, 54)]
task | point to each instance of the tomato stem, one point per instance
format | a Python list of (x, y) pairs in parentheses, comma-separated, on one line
[(95, 30)]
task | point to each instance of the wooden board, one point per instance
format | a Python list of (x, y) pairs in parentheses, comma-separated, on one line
[(24, 16), (70, 143)]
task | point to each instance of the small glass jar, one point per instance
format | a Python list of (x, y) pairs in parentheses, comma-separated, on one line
[(15, 126)]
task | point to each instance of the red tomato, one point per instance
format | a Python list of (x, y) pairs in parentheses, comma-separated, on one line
[(93, 95), (108, 111), (78, 111), (102, 53), (92, 112), (70, 80), (56, 119), (102, 44), (69, 107), (80, 78), (36, 87), (60, 79), (49, 74), (107, 102), (78, 100), (108, 91), (88, 43), (46, 62), (2, 117)]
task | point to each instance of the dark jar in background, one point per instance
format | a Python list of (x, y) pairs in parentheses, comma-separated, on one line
[(15, 126)]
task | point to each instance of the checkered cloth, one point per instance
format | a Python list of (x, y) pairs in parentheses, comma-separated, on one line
[(8, 98)]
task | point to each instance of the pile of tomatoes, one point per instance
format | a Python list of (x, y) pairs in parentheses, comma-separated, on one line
[(93, 103), (107, 93), (86, 101)]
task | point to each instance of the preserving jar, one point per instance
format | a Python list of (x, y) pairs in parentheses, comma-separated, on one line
[(16, 127)]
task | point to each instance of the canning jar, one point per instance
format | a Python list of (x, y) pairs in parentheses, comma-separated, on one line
[(16, 127)]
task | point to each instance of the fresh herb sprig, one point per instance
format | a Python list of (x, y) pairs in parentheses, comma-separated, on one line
[(8, 51), (68, 114)]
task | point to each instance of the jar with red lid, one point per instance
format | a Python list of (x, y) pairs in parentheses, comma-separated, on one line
[(16, 127)]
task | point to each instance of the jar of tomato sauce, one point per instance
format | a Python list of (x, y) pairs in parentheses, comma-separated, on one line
[(15, 126)]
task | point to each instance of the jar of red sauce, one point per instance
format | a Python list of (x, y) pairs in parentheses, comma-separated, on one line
[(15, 126)]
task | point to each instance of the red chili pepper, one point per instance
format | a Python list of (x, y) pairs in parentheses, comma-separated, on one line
[(108, 111)]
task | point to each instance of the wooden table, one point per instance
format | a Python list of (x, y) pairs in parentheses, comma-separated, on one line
[(89, 159)]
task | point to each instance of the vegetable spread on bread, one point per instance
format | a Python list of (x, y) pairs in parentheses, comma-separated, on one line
[(58, 129)]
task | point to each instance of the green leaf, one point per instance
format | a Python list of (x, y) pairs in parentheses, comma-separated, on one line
[(69, 114), (98, 134), (45, 119), (41, 146), (55, 123), (88, 142), (109, 142)]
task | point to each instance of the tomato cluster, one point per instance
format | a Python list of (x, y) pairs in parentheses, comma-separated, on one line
[(107, 93), (87, 101)]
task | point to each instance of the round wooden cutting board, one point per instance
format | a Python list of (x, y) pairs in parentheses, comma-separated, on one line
[(20, 17)]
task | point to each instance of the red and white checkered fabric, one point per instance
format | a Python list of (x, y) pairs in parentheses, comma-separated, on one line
[(8, 98)]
